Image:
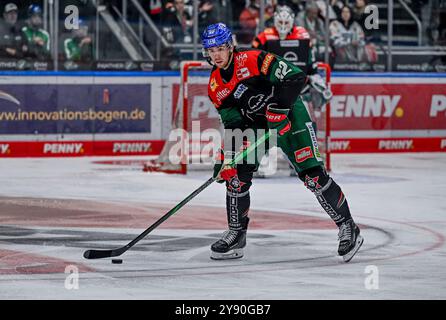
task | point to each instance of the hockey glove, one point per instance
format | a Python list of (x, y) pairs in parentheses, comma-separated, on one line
[(222, 170), (278, 119)]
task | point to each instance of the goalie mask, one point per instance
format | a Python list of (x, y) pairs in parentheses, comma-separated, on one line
[(283, 21)]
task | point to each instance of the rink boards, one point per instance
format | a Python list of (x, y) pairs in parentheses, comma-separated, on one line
[(105, 113)]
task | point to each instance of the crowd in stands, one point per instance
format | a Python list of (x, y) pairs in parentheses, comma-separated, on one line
[(28, 40), (349, 38), (23, 36), (348, 41)]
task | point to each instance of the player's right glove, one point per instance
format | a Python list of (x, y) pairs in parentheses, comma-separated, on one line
[(278, 118), (222, 170)]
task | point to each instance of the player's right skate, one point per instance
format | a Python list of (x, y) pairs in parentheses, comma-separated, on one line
[(230, 246), (350, 240)]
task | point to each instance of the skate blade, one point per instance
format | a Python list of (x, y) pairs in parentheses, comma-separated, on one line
[(350, 255), (231, 254)]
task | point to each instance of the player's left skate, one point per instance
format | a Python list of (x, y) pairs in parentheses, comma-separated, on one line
[(350, 240)]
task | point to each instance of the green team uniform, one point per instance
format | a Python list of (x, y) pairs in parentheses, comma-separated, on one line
[(75, 52), (259, 90), (257, 79), (35, 50)]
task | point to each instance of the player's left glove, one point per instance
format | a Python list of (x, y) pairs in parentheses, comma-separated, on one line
[(278, 118), (222, 170)]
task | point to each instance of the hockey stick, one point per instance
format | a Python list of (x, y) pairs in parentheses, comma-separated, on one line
[(97, 254)]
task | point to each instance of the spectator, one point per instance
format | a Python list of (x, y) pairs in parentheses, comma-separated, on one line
[(249, 21), (359, 16), (349, 40), (359, 11), (269, 14), (431, 21), (442, 26), (211, 12), (206, 14), (154, 9), (177, 23), (334, 9), (12, 41), (79, 48), (37, 39), (309, 19), (295, 5)]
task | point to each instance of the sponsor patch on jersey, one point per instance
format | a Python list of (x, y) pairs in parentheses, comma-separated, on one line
[(291, 56), (240, 91), (289, 43), (266, 62), (241, 59), (314, 140), (222, 94), (303, 154), (243, 73), (213, 84)]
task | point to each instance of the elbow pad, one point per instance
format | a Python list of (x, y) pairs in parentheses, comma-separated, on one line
[(289, 90)]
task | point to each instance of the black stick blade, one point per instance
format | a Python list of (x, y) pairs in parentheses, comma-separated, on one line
[(99, 254)]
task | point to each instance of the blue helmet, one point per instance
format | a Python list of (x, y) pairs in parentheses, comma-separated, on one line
[(34, 9), (216, 35)]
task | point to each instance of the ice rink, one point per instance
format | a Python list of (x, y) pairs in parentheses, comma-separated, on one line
[(52, 210)]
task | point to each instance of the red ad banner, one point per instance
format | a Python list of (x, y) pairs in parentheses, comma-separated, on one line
[(392, 106), (11, 149), (372, 145)]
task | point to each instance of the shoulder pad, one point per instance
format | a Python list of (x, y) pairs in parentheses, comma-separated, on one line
[(301, 33)]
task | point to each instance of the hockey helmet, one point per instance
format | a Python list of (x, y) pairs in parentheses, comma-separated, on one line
[(216, 35), (34, 9), (283, 20)]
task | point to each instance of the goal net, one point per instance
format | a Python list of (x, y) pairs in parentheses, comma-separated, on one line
[(197, 131)]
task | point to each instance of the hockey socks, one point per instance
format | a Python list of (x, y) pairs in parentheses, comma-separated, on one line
[(328, 193), (232, 242)]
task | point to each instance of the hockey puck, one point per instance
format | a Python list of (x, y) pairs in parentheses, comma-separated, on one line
[(118, 261)]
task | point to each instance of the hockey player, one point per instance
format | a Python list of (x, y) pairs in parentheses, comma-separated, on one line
[(294, 44), (256, 89)]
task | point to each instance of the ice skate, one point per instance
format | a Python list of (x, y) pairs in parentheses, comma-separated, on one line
[(350, 240), (230, 246)]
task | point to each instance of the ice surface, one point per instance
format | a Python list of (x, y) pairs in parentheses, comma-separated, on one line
[(52, 210)]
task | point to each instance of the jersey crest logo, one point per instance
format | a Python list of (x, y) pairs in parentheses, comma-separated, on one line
[(241, 59), (213, 84), (243, 73), (266, 62), (235, 184)]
